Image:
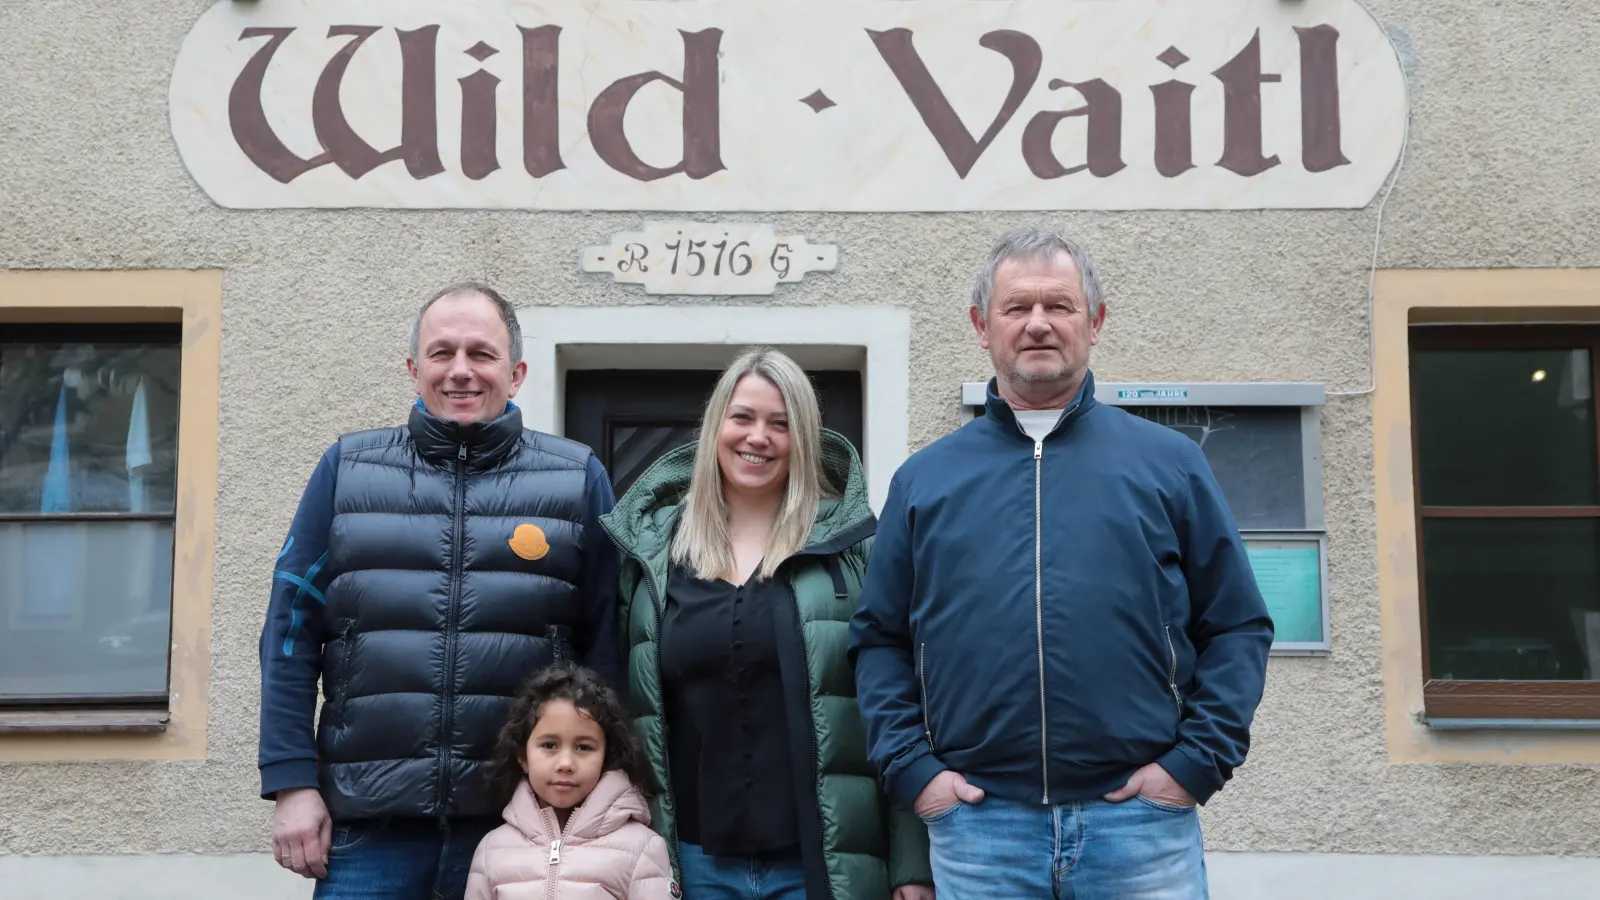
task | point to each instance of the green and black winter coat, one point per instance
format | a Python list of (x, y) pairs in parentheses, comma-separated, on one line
[(854, 845)]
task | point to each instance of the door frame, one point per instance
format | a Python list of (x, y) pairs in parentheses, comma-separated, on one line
[(876, 341)]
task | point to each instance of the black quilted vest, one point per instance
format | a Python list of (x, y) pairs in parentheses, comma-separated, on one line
[(454, 551)]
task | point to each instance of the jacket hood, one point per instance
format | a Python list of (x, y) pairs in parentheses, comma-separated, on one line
[(643, 518), (613, 803)]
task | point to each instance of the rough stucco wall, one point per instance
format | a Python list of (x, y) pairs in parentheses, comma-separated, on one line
[(1499, 173)]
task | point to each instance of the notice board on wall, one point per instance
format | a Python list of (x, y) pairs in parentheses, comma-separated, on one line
[(1291, 573)]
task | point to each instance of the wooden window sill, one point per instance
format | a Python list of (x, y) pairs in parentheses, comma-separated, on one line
[(1512, 701), (63, 721)]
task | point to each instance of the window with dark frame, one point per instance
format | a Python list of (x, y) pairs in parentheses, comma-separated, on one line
[(88, 484), (1505, 440)]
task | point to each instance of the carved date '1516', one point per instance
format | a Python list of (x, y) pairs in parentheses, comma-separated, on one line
[(708, 259), (740, 262), (1241, 79)]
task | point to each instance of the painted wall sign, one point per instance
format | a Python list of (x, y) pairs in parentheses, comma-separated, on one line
[(1153, 394), (847, 105), (715, 259)]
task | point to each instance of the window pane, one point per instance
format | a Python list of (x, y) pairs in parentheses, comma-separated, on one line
[(85, 608), (88, 426), (1256, 453), (1512, 599), (1505, 427)]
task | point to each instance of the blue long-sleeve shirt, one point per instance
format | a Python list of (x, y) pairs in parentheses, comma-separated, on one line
[(293, 635)]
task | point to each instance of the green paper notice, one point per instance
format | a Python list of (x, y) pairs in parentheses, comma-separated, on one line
[(1290, 577)]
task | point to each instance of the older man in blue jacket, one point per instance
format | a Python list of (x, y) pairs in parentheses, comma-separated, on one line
[(1061, 644)]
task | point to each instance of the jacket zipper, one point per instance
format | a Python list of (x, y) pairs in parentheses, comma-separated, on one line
[(1038, 612), (922, 676), (661, 716), (811, 730), (450, 633), (1172, 677), (1038, 590), (553, 871)]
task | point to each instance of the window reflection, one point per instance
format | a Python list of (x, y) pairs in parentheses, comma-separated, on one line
[(87, 608), (1512, 599), (1493, 431), (88, 427)]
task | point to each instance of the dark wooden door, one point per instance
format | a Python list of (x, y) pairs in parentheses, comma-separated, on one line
[(632, 416)]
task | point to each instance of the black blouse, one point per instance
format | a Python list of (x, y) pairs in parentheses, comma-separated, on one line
[(728, 740)]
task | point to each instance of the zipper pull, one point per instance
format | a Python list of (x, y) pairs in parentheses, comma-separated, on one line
[(555, 852), (1038, 449), (463, 454)]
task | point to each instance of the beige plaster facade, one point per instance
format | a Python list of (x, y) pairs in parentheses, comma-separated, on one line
[(1500, 173)]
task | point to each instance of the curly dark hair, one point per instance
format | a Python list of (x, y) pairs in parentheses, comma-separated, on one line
[(586, 690)]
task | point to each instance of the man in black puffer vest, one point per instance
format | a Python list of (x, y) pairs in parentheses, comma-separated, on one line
[(430, 569)]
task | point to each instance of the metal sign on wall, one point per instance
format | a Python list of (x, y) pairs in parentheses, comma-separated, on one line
[(842, 105)]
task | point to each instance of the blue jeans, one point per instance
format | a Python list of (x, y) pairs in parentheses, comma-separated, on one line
[(1095, 850), (401, 859), (776, 876)]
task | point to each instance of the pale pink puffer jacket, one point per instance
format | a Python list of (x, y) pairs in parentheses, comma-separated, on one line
[(607, 851)]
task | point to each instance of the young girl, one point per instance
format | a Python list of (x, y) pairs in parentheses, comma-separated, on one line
[(577, 826)]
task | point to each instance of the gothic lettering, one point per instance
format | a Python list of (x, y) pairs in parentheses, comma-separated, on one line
[(419, 137), (479, 118), (1103, 107), (702, 148), (1319, 99), (248, 121), (1241, 79), (946, 127), (541, 127), (1174, 152), (393, 93)]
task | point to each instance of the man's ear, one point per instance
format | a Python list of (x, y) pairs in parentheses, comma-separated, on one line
[(1095, 326), (416, 375), (981, 324)]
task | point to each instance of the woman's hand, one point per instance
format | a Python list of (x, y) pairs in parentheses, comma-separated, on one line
[(913, 892)]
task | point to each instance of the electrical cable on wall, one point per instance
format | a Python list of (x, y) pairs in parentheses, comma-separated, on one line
[(1377, 236)]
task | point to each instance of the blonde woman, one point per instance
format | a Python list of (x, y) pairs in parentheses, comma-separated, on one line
[(743, 555)]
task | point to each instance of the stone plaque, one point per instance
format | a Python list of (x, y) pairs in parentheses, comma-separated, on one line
[(726, 259), (823, 105)]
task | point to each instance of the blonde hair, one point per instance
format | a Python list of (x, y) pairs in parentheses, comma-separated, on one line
[(701, 541)]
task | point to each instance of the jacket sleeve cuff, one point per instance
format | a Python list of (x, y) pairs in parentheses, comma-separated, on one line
[(908, 784), (1199, 780), (287, 775)]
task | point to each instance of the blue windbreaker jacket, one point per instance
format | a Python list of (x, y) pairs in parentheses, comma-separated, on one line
[(1045, 618)]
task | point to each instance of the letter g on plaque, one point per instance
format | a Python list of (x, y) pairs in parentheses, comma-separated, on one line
[(708, 259)]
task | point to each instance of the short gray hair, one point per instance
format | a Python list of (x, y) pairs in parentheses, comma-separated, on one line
[(508, 313), (1033, 243)]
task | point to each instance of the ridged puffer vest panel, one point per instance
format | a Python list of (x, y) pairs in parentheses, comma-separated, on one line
[(855, 846), (455, 552)]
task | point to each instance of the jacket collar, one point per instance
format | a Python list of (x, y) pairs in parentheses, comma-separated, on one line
[(996, 407), (612, 804), (441, 440), (645, 516)]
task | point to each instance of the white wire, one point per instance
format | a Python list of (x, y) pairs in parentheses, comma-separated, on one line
[(1377, 236)]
